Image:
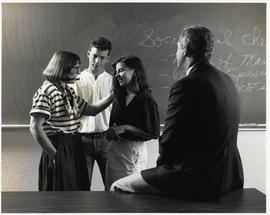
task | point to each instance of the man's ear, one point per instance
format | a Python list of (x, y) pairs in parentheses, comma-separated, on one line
[(88, 53)]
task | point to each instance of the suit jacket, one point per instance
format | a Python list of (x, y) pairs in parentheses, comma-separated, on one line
[(198, 154)]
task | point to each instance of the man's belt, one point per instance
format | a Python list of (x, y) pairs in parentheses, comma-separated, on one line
[(94, 134)]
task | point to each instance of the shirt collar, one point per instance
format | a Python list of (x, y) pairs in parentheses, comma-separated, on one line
[(91, 74), (190, 68)]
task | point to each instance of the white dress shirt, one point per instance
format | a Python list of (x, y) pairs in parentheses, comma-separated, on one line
[(91, 91)]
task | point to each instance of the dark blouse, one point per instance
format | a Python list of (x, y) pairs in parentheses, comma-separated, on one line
[(141, 112)]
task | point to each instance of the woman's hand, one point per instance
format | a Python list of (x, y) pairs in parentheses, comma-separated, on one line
[(39, 135), (94, 109), (119, 129), (113, 133), (111, 88)]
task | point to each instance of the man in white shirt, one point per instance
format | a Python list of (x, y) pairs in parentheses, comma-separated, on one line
[(95, 84)]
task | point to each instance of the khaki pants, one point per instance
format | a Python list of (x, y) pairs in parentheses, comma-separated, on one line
[(124, 158), (135, 184)]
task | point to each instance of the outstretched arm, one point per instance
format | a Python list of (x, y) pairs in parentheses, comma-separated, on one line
[(94, 109)]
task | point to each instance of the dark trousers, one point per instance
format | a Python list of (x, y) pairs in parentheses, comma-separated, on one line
[(69, 172), (95, 149)]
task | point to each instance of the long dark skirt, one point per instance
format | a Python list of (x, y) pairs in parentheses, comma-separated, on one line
[(69, 171)]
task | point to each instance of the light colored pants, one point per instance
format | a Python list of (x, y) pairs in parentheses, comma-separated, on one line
[(124, 158), (135, 184)]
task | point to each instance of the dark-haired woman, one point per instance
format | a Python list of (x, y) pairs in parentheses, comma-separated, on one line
[(134, 120), (54, 122)]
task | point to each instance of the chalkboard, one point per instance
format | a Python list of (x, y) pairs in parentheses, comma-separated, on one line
[(32, 32)]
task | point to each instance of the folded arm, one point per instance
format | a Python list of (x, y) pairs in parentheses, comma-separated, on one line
[(135, 131)]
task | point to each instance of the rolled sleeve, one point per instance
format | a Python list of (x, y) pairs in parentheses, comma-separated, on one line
[(41, 104)]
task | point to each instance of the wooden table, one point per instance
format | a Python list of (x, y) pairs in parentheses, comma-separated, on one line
[(242, 201)]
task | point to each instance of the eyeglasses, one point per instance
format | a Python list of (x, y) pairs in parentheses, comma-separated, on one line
[(78, 68)]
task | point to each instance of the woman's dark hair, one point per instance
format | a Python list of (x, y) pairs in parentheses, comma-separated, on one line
[(60, 65), (139, 82)]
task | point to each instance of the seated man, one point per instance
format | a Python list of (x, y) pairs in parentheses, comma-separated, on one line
[(198, 154)]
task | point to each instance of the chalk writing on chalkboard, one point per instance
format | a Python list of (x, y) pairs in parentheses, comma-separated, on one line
[(247, 67)]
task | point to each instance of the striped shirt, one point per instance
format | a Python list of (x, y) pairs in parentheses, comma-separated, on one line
[(48, 100), (92, 91)]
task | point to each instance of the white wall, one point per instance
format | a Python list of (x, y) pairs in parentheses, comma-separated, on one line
[(20, 158)]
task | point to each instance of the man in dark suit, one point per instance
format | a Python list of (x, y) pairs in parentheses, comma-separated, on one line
[(198, 154)]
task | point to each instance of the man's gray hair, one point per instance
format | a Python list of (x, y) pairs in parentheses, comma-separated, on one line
[(198, 41)]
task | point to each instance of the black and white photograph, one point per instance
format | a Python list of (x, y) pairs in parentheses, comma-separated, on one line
[(134, 107)]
